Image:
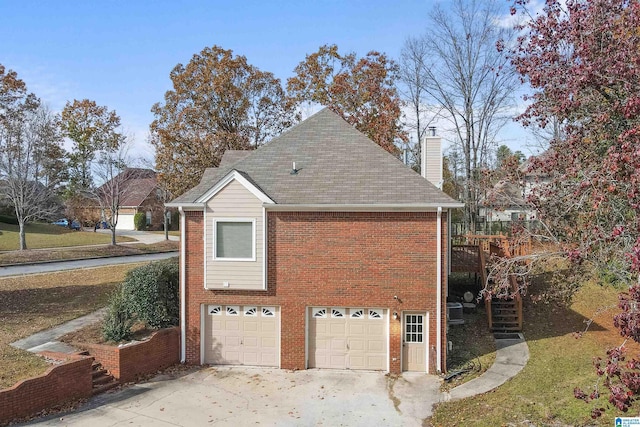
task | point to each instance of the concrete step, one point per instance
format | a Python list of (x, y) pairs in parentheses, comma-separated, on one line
[(102, 379), (104, 387)]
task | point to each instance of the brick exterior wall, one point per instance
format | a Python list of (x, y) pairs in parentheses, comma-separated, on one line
[(340, 259), (129, 362), (68, 381)]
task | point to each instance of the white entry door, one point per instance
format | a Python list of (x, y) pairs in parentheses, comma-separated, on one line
[(414, 346)]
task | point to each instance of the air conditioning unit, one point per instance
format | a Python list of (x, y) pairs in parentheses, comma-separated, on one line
[(454, 313)]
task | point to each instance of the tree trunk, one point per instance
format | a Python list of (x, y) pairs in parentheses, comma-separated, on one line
[(23, 240), (113, 235), (166, 225)]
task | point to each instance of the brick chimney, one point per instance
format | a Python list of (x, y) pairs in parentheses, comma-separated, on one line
[(432, 158)]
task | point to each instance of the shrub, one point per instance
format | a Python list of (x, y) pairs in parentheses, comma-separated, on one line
[(140, 221), (118, 321), (151, 292)]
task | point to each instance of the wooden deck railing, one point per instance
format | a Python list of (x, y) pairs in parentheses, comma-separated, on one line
[(511, 246)]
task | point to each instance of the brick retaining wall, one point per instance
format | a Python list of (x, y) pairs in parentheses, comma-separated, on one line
[(62, 383), (72, 380), (130, 361)]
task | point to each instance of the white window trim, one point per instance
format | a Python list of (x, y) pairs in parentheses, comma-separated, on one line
[(253, 241)]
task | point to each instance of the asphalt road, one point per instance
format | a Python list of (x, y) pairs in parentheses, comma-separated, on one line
[(19, 270)]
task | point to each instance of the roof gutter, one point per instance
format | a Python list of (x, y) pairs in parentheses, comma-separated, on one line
[(186, 206), (422, 207)]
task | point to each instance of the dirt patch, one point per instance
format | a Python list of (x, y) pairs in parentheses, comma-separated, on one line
[(391, 381)]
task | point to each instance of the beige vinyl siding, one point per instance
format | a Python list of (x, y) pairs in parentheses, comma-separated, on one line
[(433, 161), (234, 201)]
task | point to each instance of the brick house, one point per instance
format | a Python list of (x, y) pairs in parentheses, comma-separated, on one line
[(317, 250), (139, 193)]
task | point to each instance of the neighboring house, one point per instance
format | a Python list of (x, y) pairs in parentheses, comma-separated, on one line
[(317, 250), (507, 200), (139, 193)]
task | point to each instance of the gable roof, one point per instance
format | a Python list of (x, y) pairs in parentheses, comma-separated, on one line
[(503, 195), (232, 156), (336, 165), (136, 185)]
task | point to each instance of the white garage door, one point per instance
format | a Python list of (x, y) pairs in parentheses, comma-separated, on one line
[(348, 338), (125, 222), (241, 335)]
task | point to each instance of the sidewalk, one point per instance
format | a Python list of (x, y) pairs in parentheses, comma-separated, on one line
[(47, 340), (145, 237), (511, 357)]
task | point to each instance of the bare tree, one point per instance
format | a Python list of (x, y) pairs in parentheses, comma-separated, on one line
[(465, 73), (26, 136), (412, 59), (117, 179)]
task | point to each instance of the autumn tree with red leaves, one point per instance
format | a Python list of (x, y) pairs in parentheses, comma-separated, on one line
[(582, 60), (361, 90)]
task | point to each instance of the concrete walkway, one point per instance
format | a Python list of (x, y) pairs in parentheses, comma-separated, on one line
[(511, 356), (145, 237), (48, 340)]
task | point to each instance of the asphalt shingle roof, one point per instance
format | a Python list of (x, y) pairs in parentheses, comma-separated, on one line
[(136, 185), (337, 165)]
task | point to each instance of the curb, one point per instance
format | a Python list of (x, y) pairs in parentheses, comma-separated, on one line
[(83, 259)]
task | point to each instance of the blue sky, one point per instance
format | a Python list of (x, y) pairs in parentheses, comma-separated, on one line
[(120, 53)]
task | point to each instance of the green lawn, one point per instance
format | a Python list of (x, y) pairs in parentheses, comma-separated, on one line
[(542, 394), (41, 235)]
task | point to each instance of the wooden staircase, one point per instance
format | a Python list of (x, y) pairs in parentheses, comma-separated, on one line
[(469, 255), (504, 314), (102, 380)]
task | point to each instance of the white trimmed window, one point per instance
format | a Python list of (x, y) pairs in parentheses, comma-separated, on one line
[(234, 239)]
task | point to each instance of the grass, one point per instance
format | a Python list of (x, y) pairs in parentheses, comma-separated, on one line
[(37, 302), (29, 256), (542, 393), (39, 235)]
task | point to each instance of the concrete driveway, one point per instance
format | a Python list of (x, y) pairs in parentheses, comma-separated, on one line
[(267, 397)]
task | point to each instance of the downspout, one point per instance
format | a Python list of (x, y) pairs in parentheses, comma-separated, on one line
[(183, 287), (439, 291)]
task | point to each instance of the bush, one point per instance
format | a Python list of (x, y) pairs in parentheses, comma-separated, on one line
[(140, 221), (118, 321), (151, 292)]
